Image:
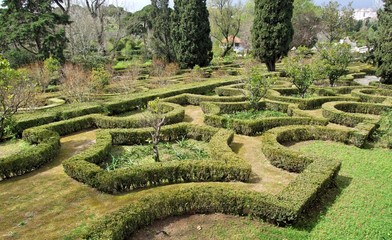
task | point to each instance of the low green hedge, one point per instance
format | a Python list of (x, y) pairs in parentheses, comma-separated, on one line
[(28, 120), (307, 103), (225, 166), (252, 126), (116, 105), (183, 199), (173, 114), (188, 199), (121, 105), (194, 99), (47, 147), (380, 85), (352, 113), (293, 161), (230, 90), (372, 95)]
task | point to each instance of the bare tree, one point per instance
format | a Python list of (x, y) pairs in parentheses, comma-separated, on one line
[(77, 84), (15, 91), (155, 118), (226, 22), (95, 8)]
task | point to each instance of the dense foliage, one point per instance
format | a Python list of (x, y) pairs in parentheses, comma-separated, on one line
[(384, 44), (272, 30), (35, 27), (191, 33)]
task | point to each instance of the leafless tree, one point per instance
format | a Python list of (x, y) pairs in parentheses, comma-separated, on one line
[(226, 20)]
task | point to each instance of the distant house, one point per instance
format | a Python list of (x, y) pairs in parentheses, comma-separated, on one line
[(239, 45), (365, 13)]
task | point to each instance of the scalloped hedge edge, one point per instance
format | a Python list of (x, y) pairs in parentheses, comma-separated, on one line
[(47, 147), (193, 198), (352, 113), (257, 126), (225, 167)]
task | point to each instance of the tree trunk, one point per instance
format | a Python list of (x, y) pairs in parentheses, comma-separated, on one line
[(156, 153), (270, 65), (331, 82)]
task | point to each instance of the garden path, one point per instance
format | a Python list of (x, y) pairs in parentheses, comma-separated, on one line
[(265, 177)]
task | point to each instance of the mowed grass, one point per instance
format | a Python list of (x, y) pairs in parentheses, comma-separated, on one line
[(359, 207), (47, 204)]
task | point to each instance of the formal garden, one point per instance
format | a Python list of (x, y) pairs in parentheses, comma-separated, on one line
[(185, 144)]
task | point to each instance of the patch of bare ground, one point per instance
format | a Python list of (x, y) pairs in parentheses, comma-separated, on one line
[(194, 114), (265, 177), (200, 226), (47, 203)]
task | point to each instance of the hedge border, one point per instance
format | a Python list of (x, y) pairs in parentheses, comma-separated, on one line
[(257, 126), (305, 104), (281, 209), (367, 95), (351, 114), (47, 147), (226, 166)]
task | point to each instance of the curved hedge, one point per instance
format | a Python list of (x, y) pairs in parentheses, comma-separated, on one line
[(252, 126), (194, 99), (316, 175), (173, 114), (47, 147), (293, 161), (352, 113), (307, 103), (226, 166), (372, 95)]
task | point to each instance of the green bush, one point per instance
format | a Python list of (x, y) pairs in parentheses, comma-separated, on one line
[(225, 166), (48, 145), (254, 126), (352, 113)]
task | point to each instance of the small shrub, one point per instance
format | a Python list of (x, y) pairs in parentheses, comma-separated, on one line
[(100, 78), (76, 85)]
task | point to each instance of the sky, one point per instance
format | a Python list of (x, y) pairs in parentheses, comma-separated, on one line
[(134, 5)]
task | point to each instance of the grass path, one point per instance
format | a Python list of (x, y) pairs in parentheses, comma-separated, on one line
[(265, 177), (47, 203)]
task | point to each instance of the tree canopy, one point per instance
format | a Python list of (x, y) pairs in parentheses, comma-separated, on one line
[(272, 30)]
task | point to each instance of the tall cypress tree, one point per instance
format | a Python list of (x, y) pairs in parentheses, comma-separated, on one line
[(161, 34), (191, 33), (272, 30), (383, 51)]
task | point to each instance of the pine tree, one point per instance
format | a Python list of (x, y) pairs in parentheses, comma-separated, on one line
[(383, 52), (191, 33), (161, 25), (272, 30), (34, 27)]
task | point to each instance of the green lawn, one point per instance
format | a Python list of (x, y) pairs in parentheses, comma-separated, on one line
[(359, 208)]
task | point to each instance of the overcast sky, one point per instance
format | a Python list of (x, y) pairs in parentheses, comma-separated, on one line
[(135, 5)]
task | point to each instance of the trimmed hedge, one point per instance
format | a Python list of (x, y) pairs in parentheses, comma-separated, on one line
[(372, 95), (194, 99), (47, 147), (308, 103), (281, 209), (25, 121), (380, 85), (253, 126), (225, 167), (117, 106), (352, 113), (293, 161), (114, 106), (173, 114)]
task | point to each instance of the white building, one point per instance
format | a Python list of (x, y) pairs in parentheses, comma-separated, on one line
[(365, 13)]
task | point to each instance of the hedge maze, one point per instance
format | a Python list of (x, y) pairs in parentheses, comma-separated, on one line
[(180, 187)]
